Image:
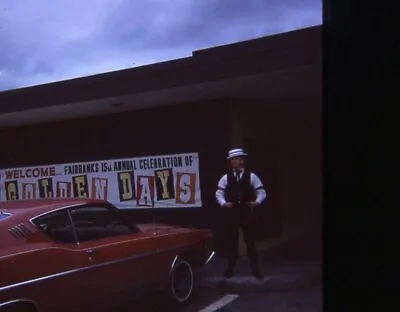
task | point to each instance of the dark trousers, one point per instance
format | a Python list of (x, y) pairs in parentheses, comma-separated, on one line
[(241, 217)]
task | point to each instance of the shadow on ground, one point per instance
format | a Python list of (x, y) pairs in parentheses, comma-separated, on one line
[(292, 266)]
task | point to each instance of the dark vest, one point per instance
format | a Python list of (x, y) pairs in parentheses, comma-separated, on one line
[(241, 192)]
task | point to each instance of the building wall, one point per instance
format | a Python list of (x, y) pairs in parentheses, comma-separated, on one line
[(285, 150), (176, 129), (301, 179), (288, 156)]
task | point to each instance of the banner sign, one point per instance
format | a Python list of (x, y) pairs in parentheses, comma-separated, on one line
[(157, 181)]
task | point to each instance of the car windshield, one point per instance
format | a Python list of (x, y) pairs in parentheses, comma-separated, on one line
[(4, 215)]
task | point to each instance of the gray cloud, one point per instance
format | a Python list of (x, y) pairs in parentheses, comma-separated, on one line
[(49, 40)]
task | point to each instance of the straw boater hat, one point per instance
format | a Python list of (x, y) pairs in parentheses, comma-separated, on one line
[(237, 152)]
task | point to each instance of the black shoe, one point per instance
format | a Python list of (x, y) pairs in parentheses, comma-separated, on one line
[(228, 273)]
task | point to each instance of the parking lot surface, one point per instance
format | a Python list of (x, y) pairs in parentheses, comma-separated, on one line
[(293, 282)]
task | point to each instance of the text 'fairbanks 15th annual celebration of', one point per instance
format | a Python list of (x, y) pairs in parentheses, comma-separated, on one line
[(140, 182)]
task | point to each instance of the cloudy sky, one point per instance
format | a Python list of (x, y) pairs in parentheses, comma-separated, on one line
[(48, 40)]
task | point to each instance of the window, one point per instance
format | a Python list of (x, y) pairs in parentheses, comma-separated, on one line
[(97, 222), (4, 215), (57, 225)]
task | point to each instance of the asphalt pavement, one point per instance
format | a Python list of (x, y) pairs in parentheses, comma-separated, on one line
[(292, 283)]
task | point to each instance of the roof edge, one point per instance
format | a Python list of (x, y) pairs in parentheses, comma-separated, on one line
[(235, 49)]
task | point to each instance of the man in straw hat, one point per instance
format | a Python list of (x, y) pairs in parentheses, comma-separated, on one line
[(239, 192)]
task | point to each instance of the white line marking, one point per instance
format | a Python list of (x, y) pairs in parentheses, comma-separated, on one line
[(219, 303)]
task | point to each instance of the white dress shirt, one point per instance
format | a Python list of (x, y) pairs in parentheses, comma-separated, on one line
[(255, 183)]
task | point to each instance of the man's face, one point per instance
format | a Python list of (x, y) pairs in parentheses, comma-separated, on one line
[(237, 162)]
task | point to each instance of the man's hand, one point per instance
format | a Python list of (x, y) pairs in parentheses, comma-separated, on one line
[(228, 205), (253, 204)]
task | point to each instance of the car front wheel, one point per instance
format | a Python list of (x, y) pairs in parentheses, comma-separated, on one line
[(181, 282)]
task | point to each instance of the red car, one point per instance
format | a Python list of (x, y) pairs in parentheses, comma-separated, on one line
[(77, 254)]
